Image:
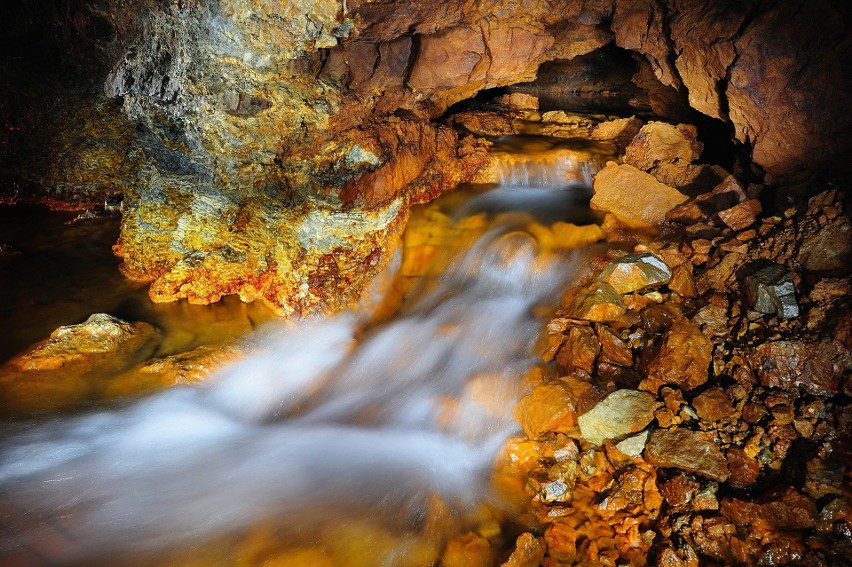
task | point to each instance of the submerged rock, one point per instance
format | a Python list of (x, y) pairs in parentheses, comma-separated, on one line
[(621, 413)]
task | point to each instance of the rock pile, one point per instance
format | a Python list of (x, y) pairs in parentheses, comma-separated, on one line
[(699, 412)]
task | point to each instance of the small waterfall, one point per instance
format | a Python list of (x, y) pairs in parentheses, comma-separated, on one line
[(312, 424), (547, 170)]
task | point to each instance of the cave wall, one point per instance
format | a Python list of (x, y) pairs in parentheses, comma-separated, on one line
[(258, 140)]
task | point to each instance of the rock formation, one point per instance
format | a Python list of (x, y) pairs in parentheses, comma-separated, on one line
[(245, 125)]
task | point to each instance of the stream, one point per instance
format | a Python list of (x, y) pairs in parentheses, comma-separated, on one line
[(341, 439)]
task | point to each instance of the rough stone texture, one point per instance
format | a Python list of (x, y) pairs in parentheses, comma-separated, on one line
[(579, 350), (665, 151), (713, 404), (693, 451), (636, 198), (815, 366), (597, 301), (783, 510), (554, 406), (770, 290), (683, 358), (621, 413), (634, 272), (322, 106)]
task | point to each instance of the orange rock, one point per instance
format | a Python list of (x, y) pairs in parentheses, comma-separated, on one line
[(468, 550), (741, 216), (597, 301), (713, 404), (579, 350), (633, 196), (528, 552), (561, 541), (682, 282), (621, 413), (744, 469), (683, 359), (664, 150), (554, 406), (613, 349), (785, 509), (634, 272)]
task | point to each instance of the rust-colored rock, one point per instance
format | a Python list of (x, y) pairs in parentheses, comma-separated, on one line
[(728, 193), (744, 469), (613, 349), (636, 198), (785, 510), (741, 216), (554, 406), (634, 272), (693, 451), (683, 358), (597, 301), (679, 490), (664, 151), (528, 552), (579, 350), (816, 367), (713, 404)]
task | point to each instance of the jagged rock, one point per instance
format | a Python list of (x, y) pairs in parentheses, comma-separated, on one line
[(784, 510), (613, 349), (683, 358), (486, 123), (713, 404), (816, 367), (597, 301), (664, 151), (682, 282), (620, 130), (528, 552), (770, 290), (693, 451), (467, 550), (679, 490), (636, 198), (579, 350), (744, 469), (554, 406), (636, 271), (827, 249), (729, 193), (621, 413), (741, 216)]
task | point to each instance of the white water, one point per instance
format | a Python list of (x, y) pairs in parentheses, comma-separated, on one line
[(311, 424)]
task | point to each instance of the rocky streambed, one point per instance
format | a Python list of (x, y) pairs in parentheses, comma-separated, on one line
[(690, 400)]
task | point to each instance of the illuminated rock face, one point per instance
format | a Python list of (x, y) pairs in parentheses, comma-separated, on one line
[(245, 114)]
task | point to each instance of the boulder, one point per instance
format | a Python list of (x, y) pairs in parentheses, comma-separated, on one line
[(554, 406), (636, 198), (665, 151), (770, 290)]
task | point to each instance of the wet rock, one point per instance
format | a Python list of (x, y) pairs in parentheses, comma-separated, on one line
[(815, 367), (89, 344), (561, 541), (692, 451), (786, 509), (621, 413), (636, 271), (713, 404), (664, 151), (682, 282), (744, 469), (613, 349), (486, 123), (683, 358), (636, 198), (741, 216), (468, 550), (770, 290), (597, 301), (621, 131), (554, 406), (579, 350), (528, 552)]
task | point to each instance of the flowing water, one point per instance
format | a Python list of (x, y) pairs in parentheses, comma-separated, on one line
[(350, 441)]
